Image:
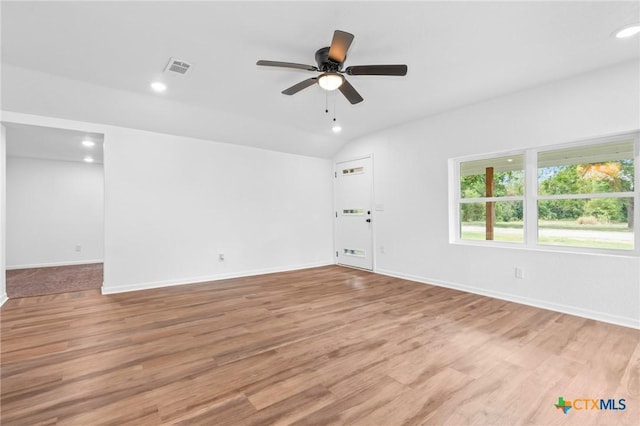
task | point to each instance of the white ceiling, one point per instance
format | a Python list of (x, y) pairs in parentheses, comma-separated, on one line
[(458, 53), (52, 144)]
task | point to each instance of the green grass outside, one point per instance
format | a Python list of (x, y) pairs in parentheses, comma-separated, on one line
[(474, 235), (576, 242), (554, 240), (560, 224)]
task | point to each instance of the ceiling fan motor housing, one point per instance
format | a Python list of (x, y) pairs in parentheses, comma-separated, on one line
[(324, 63)]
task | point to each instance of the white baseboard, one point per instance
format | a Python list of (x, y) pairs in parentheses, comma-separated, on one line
[(49, 265), (217, 277), (3, 298), (565, 309)]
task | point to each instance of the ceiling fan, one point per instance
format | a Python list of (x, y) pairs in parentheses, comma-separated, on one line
[(330, 61)]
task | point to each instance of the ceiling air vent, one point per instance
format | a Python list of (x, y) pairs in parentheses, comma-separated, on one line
[(178, 66)]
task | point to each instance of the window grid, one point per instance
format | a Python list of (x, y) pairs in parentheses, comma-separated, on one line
[(531, 198)]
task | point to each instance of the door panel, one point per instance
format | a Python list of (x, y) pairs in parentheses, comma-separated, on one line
[(354, 227)]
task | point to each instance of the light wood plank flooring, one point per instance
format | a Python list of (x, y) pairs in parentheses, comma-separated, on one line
[(324, 346)]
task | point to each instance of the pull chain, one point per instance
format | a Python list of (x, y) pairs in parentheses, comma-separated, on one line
[(334, 109)]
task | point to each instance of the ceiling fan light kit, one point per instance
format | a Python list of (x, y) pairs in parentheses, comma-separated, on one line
[(330, 61), (330, 81)]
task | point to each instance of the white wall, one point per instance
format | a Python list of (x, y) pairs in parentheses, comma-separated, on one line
[(52, 206), (34, 92), (173, 204), (3, 146), (411, 181)]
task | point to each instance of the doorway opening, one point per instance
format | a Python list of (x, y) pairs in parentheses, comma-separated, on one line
[(54, 210)]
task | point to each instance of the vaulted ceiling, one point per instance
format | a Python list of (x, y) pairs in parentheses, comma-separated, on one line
[(103, 55)]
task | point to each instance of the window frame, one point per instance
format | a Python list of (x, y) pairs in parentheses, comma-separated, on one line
[(531, 198), (461, 200)]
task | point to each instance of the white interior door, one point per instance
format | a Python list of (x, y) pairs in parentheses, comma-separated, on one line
[(354, 227)]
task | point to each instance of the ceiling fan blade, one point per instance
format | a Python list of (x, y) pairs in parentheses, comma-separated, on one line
[(287, 65), (376, 70), (298, 87), (339, 46), (350, 92)]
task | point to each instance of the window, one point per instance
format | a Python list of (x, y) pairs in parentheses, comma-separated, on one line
[(580, 196), (586, 196), (492, 199)]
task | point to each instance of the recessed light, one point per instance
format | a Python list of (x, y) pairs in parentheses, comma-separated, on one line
[(628, 31), (336, 129), (509, 160), (88, 143), (88, 159), (158, 86)]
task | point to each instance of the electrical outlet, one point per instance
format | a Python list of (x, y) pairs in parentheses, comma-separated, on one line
[(221, 257), (519, 273), (382, 249), (78, 247)]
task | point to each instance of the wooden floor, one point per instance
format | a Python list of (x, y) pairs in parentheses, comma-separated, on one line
[(323, 346)]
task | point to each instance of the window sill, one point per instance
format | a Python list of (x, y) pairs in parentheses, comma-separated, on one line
[(548, 248)]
